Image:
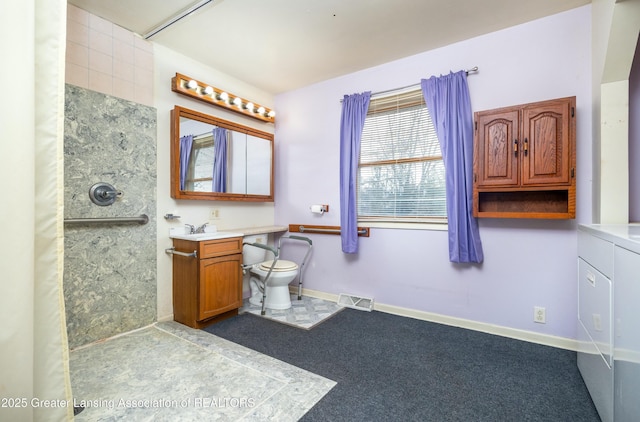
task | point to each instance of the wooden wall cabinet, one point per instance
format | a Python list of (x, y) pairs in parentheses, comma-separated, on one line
[(207, 288), (524, 161)]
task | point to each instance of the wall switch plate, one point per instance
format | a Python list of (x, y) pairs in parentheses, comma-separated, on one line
[(214, 214), (539, 315)]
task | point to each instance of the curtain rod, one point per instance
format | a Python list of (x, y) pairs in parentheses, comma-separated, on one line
[(175, 18), (205, 134), (473, 69), (209, 133)]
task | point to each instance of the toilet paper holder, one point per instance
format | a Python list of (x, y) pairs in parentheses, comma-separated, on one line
[(319, 209)]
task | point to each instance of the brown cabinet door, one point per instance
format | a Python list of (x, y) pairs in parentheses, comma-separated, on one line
[(497, 148), (220, 285), (546, 149)]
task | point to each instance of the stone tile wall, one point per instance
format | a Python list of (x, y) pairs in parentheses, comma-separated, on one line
[(110, 281)]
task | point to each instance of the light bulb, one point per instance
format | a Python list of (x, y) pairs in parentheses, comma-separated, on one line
[(224, 96), (261, 110), (237, 101), (272, 114), (192, 84), (208, 90), (250, 106)]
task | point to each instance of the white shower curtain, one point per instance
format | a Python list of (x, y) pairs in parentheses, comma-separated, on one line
[(34, 354)]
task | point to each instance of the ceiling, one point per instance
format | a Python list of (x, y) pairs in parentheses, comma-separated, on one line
[(281, 45)]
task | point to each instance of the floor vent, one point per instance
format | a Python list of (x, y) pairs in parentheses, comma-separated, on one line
[(355, 302)]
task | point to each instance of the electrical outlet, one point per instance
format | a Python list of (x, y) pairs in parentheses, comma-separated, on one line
[(214, 214), (539, 315)]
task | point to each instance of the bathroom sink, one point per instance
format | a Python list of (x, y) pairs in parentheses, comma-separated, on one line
[(204, 236)]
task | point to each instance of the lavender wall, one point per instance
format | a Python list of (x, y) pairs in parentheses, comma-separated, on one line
[(527, 262)]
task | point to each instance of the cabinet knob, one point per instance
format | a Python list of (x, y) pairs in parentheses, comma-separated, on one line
[(526, 147), (515, 147)]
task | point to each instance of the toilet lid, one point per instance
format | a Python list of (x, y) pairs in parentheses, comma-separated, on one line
[(281, 265)]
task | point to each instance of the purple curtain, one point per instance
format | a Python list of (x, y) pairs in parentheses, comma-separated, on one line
[(447, 99), (186, 142), (219, 183), (354, 111)]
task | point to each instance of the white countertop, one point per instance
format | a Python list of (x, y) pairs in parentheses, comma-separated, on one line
[(211, 233), (249, 231), (196, 237), (624, 235)]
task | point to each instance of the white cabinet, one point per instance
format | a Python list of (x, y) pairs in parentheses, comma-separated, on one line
[(627, 336), (595, 314), (609, 318)]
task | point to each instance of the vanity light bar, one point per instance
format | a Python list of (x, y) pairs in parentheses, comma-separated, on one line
[(195, 89)]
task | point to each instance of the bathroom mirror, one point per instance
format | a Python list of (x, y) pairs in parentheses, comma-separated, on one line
[(215, 159)]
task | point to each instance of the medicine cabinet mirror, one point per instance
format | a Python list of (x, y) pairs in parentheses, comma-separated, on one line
[(215, 159)]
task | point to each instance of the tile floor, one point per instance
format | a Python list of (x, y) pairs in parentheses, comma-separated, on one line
[(170, 372), (305, 313)]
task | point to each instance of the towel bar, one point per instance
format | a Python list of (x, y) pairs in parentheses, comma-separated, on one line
[(172, 251)]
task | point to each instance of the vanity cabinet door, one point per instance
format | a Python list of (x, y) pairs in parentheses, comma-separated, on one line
[(207, 287), (220, 285)]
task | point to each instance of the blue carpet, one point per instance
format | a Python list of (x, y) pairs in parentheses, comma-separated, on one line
[(391, 368)]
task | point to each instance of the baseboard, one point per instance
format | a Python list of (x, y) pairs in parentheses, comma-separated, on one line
[(530, 336), (84, 346)]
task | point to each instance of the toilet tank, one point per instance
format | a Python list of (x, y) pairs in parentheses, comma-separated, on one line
[(252, 255)]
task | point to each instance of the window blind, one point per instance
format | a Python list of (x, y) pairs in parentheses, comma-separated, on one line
[(401, 173)]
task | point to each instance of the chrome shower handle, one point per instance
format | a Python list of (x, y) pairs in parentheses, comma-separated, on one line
[(104, 194)]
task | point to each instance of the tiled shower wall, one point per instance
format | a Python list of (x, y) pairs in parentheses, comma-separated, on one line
[(106, 58), (109, 269)]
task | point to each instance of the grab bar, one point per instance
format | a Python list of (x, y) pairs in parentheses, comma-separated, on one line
[(362, 231), (142, 219), (172, 251), (334, 231)]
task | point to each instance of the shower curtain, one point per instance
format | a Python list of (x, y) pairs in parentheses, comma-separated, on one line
[(34, 354)]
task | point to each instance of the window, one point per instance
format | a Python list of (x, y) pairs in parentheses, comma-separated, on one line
[(401, 172), (199, 175)]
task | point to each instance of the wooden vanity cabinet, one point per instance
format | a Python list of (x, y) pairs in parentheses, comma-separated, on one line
[(207, 288), (524, 161)]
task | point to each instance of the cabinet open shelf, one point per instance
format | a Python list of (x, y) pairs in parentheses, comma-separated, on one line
[(552, 204)]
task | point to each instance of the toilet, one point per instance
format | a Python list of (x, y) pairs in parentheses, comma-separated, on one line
[(284, 272)]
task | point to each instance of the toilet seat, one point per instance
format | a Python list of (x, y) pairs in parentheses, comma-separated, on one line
[(281, 266), (270, 286), (277, 288)]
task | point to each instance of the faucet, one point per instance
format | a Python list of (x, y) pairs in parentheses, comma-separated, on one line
[(191, 228), (201, 228)]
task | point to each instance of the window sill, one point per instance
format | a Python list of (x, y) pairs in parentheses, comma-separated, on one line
[(426, 225)]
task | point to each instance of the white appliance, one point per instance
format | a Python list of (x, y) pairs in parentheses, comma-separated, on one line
[(609, 318)]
